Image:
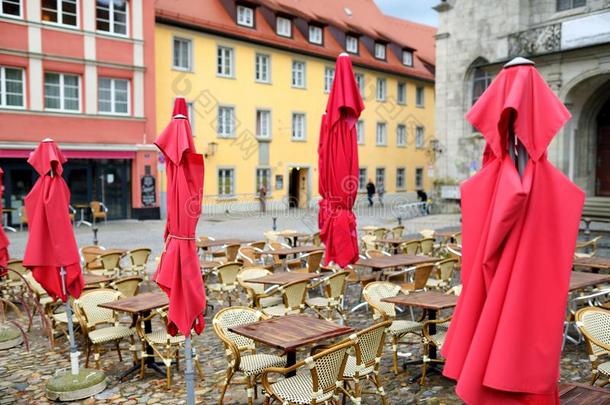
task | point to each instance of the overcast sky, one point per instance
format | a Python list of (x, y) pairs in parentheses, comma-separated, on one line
[(414, 10)]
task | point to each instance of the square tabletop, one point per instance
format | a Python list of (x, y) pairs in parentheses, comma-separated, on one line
[(580, 280), (208, 243), (208, 264), (432, 300), (293, 234), (290, 332), (283, 278), (95, 279), (139, 303), (293, 250), (446, 233), (578, 394), (393, 241), (595, 262), (386, 262)]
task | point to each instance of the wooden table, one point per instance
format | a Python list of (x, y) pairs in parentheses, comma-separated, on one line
[(293, 236), (208, 264), (82, 208), (283, 278), (290, 332), (140, 307), (431, 301), (580, 280), (91, 279), (446, 234), (393, 242), (284, 253), (388, 262), (594, 262), (580, 394)]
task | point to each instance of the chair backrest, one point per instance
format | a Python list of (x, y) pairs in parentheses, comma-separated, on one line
[(594, 324), (397, 231), (410, 248), (368, 345), (326, 370), (380, 233), (272, 236), (457, 238), (35, 285), (231, 251), (374, 292), (247, 273), (444, 268), (314, 260), (427, 233), (315, 239), (368, 241), (89, 254), (589, 246), (227, 273), (235, 316), (260, 244), (128, 286), (370, 253), (426, 245), (97, 208), (454, 250), (88, 309), (139, 257), (293, 295), (422, 274), (335, 285), (250, 255), (110, 261), (275, 245)]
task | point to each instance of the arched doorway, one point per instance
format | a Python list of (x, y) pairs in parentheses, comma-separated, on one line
[(602, 167)]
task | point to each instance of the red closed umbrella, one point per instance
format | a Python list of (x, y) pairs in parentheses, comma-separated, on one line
[(178, 273), (520, 218), (3, 239), (51, 244), (338, 166)]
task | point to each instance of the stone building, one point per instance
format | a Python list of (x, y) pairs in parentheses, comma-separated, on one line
[(570, 42)]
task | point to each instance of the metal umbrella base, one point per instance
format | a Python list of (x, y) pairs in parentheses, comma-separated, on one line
[(65, 386)]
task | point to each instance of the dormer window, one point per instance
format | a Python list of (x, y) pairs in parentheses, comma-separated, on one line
[(379, 51), (351, 44), (283, 27), (407, 57), (245, 16), (315, 35)]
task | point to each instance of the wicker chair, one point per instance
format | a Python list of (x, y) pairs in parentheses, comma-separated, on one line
[(293, 299), (444, 274), (259, 244), (421, 274), (98, 211), (91, 316), (128, 287), (426, 246), (412, 247), (137, 262), (594, 324), (275, 245), (164, 346), (373, 294), (317, 384), (365, 363), (241, 351), (231, 252), (380, 233), (368, 242), (110, 264), (457, 238), (437, 339), (427, 233), (272, 236), (251, 256), (90, 257), (255, 291), (334, 292), (226, 288), (397, 231), (587, 249), (313, 260), (371, 253)]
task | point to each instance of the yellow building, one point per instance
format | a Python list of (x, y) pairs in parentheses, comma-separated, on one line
[(256, 76)]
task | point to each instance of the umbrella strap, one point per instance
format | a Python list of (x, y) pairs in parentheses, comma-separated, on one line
[(170, 236)]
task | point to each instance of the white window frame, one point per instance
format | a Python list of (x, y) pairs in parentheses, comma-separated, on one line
[(222, 109), (420, 137), (313, 38), (220, 68), (3, 88), (361, 83), (281, 23), (420, 90), (381, 89), (401, 135), (402, 101), (60, 17), (295, 130), (62, 100), (402, 186), (188, 41), (381, 134), (362, 184), (360, 137), (303, 74), (258, 71), (260, 112), (261, 173), (243, 18), (3, 14), (113, 81), (329, 76), (421, 180), (111, 20), (352, 44), (407, 58), (377, 182), (220, 174), (380, 51)]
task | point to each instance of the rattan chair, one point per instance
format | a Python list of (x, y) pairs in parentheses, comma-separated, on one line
[(443, 272), (594, 324), (89, 257), (293, 299), (373, 294), (437, 339), (371, 253), (272, 236), (457, 238), (91, 317), (137, 262), (251, 256), (241, 351), (365, 363), (426, 246), (312, 260), (256, 291), (397, 231), (259, 244), (98, 211), (427, 233), (226, 287), (334, 292), (412, 247), (128, 286), (380, 233), (587, 249), (110, 264), (164, 346), (368, 242), (231, 252), (317, 383), (275, 245)]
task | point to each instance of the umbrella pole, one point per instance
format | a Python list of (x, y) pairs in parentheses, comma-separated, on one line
[(189, 374), (73, 351)]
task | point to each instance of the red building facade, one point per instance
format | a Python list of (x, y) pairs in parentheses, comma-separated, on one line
[(80, 72)]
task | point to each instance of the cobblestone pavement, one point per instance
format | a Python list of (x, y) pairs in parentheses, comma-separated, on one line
[(23, 374)]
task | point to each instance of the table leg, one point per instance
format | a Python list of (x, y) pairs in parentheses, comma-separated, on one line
[(432, 367), (82, 219), (5, 224), (291, 360), (150, 359)]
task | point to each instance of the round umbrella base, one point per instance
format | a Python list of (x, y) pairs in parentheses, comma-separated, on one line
[(65, 386), (10, 336)]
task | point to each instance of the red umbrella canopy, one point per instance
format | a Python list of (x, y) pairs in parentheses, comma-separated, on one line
[(3, 239), (520, 218), (51, 244), (178, 273), (338, 166)]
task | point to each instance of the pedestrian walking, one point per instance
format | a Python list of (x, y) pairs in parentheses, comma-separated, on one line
[(262, 194), (370, 191), (380, 193)]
